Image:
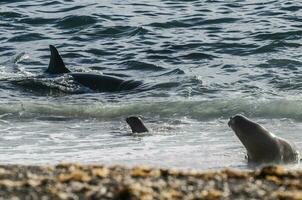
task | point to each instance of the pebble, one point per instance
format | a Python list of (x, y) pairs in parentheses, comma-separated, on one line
[(76, 181)]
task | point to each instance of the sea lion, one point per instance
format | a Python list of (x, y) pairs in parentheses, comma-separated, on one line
[(136, 124), (261, 145), (97, 82)]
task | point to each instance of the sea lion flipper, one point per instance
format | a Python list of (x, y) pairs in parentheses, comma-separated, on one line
[(56, 64)]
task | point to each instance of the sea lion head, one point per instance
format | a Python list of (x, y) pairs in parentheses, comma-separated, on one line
[(136, 124), (244, 127)]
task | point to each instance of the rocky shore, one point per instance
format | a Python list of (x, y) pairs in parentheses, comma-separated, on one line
[(75, 181)]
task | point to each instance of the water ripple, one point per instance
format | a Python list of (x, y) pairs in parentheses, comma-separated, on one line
[(142, 66), (36, 21), (70, 22), (198, 56), (288, 35), (116, 31), (63, 10), (13, 15), (27, 37)]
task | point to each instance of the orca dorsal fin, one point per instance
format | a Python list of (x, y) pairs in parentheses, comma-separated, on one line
[(56, 64)]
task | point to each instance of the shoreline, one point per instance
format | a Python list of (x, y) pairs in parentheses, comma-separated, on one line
[(77, 181)]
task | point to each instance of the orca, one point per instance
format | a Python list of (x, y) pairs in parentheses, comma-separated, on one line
[(96, 82)]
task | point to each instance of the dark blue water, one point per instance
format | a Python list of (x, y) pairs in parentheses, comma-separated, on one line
[(202, 62)]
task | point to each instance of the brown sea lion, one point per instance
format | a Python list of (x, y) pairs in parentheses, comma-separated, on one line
[(136, 124), (261, 145)]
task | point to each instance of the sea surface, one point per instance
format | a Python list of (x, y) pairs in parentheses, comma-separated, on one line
[(202, 62)]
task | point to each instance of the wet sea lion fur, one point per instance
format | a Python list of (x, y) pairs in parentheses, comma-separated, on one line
[(261, 145), (136, 124)]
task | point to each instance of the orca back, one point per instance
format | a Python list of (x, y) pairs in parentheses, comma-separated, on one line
[(104, 83)]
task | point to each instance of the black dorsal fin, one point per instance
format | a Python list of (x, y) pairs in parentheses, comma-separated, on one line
[(56, 64)]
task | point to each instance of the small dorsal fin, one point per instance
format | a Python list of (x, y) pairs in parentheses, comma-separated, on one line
[(56, 64)]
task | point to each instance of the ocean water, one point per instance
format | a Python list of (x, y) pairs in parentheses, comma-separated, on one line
[(203, 61)]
